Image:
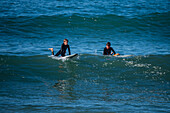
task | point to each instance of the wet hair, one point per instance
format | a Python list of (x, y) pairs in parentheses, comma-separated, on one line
[(108, 44), (65, 40)]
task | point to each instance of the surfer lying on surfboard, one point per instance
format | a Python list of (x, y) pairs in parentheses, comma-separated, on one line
[(64, 47), (107, 50)]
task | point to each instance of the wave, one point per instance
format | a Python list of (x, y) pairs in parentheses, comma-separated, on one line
[(153, 67), (33, 35), (98, 79), (75, 21)]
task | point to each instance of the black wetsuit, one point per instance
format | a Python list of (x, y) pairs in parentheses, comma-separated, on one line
[(63, 50), (108, 51)]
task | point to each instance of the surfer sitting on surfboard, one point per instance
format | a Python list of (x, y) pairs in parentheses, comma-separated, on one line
[(64, 47), (108, 49)]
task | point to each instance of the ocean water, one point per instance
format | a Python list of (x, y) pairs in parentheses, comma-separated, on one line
[(31, 81)]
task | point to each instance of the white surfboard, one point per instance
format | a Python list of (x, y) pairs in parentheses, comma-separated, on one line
[(123, 55), (65, 57), (70, 56)]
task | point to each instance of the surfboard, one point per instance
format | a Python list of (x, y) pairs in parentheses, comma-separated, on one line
[(70, 56), (123, 55), (118, 55), (65, 57)]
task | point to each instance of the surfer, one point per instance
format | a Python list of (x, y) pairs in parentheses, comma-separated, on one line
[(63, 49), (107, 50)]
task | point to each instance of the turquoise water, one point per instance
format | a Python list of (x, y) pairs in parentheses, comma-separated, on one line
[(31, 81)]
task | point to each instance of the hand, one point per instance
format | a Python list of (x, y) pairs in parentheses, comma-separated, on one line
[(116, 54)]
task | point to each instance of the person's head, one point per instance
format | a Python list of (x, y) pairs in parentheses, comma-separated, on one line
[(108, 45), (65, 42)]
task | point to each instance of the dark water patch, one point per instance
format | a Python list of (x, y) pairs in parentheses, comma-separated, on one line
[(49, 26)]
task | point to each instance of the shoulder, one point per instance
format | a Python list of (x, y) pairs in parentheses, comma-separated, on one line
[(104, 48), (111, 48)]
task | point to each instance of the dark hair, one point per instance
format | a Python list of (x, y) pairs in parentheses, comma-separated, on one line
[(66, 40), (108, 43)]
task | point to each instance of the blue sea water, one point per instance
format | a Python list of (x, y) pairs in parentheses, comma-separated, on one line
[(31, 81)]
